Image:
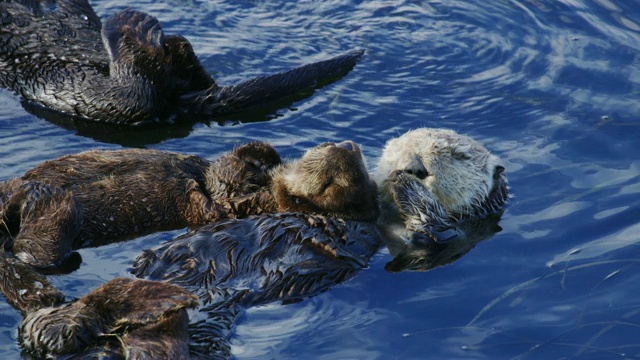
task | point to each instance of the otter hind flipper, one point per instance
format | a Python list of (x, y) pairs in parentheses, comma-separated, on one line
[(258, 91), (48, 219)]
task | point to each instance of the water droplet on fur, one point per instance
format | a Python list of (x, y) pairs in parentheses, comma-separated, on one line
[(84, 17), (38, 284), (22, 291)]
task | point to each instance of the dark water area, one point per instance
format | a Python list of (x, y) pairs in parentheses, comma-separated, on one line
[(550, 86)]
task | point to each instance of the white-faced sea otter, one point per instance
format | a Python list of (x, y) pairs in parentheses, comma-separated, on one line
[(56, 53), (440, 193)]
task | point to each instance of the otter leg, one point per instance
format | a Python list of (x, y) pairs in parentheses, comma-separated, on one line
[(49, 220), (24, 288), (424, 216), (60, 330)]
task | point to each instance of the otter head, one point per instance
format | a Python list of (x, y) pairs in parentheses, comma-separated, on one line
[(330, 179), (467, 180)]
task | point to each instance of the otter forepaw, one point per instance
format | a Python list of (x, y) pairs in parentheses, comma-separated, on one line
[(258, 154), (420, 209), (132, 29), (58, 330)]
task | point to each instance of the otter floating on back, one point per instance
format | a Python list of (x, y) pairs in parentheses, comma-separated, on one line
[(324, 234), (99, 197), (234, 264), (56, 53), (439, 190)]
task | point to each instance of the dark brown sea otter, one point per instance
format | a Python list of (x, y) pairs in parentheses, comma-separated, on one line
[(99, 197), (324, 234), (56, 53)]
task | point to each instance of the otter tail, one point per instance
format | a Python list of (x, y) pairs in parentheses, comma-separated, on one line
[(261, 90)]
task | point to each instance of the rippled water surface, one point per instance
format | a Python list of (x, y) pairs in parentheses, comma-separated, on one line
[(551, 86)]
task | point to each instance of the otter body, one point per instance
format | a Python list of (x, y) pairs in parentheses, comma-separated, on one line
[(57, 54), (440, 193), (323, 234), (99, 197)]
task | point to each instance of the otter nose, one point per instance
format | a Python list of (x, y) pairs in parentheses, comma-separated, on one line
[(417, 169), (348, 145)]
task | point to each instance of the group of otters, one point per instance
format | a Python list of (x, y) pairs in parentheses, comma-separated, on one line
[(262, 229)]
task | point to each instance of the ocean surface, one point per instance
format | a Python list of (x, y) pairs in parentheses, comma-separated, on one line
[(550, 86)]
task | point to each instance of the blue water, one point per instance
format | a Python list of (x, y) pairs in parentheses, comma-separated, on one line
[(551, 86)]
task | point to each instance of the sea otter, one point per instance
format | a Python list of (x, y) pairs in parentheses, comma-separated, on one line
[(440, 193), (287, 256), (56, 53), (238, 263), (99, 197), (323, 233), (124, 318)]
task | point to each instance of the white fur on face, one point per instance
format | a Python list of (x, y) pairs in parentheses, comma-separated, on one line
[(457, 169)]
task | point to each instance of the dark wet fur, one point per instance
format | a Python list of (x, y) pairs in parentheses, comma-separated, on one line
[(230, 265), (99, 197), (134, 318), (126, 71), (236, 264)]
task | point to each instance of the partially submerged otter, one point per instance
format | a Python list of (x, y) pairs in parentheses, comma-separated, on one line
[(441, 193), (57, 54), (324, 233), (124, 318), (148, 319)]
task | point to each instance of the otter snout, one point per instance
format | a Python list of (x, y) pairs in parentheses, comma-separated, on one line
[(348, 145)]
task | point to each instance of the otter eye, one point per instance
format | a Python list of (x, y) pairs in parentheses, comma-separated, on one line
[(324, 186)]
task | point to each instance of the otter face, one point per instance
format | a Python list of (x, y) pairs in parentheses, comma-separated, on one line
[(464, 176), (330, 179)]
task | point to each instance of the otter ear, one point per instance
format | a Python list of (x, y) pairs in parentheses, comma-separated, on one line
[(498, 171), (131, 30)]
